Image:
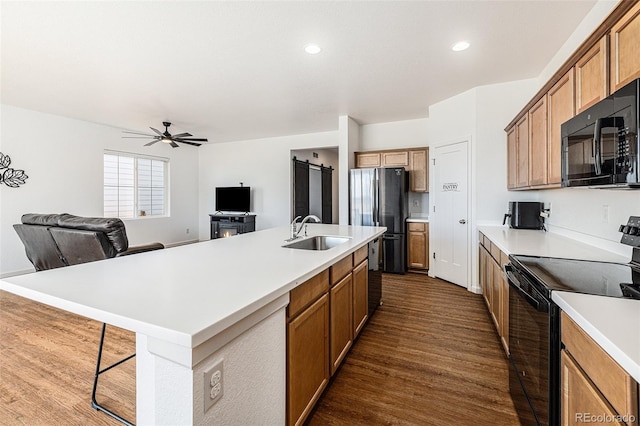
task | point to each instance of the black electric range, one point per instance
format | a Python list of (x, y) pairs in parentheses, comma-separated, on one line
[(580, 276), (534, 319)]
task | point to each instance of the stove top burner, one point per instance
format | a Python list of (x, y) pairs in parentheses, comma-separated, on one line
[(581, 276)]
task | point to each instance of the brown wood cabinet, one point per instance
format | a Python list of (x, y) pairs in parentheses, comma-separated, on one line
[(307, 359), (414, 160), (561, 107), (395, 159), (522, 152), (418, 245), (341, 316), (606, 61), (324, 315), (625, 43), (419, 170), (367, 159), (592, 76), (538, 143), (494, 286), (592, 382), (512, 158), (360, 297)]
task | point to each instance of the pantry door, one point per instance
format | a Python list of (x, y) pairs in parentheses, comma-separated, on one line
[(450, 213)]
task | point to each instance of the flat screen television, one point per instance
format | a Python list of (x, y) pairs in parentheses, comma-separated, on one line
[(233, 199)]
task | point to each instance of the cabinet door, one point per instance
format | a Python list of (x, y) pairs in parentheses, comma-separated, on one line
[(504, 312), (579, 396), (592, 76), (496, 281), (522, 155), (538, 143), (367, 159), (360, 297), (512, 158), (625, 42), (419, 171), (417, 246), (307, 359), (487, 276), (341, 317), (395, 159), (561, 107)]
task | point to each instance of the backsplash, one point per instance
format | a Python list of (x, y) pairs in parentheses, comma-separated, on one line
[(418, 203)]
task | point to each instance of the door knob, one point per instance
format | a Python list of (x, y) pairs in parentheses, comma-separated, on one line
[(462, 221)]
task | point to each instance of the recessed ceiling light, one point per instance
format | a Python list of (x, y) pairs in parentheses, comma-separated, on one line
[(461, 45), (312, 49)]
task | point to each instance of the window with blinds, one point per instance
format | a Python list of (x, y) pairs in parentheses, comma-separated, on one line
[(135, 185)]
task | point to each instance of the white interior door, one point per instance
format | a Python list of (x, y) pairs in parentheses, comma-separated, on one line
[(450, 213)]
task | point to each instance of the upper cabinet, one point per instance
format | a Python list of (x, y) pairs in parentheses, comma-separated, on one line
[(625, 42), (414, 160), (538, 143), (561, 107), (607, 60), (592, 76)]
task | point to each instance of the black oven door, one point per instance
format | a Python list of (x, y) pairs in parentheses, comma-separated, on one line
[(532, 377)]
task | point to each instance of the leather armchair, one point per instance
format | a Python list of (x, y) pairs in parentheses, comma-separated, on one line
[(56, 240)]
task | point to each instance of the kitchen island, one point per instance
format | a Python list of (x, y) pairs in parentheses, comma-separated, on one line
[(193, 306)]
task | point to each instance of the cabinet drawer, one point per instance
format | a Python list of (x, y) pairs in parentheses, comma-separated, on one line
[(303, 295), (615, 384), (360, 254), (341, 268), (495, 252), (416, 226), (504, 258)]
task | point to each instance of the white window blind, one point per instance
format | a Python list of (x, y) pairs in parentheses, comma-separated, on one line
[(134, 186)]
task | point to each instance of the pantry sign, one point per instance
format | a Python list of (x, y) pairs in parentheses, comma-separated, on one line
[(450, 187)]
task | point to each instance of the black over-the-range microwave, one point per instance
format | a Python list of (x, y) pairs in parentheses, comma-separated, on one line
[(600, 145)]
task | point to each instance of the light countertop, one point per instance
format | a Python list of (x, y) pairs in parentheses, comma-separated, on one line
[(534, 242), (418, 217), (185, 295), (611, 322)]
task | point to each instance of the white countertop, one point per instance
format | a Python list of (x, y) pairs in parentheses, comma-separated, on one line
[(613, 323), (185, 295), (418, 217), (547, 244)]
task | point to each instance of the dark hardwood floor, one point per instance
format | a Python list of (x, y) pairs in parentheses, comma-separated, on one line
[(429, 355)]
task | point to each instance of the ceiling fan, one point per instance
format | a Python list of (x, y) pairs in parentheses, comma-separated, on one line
[(166, 137)]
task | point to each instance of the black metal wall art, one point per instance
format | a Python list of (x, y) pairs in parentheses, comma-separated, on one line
[(10, 177)]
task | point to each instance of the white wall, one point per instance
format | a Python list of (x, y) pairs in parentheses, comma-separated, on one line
[(262, 164), (397, 134), (64, 161)]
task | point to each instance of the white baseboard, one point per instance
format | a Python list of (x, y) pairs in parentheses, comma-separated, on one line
[(181, 243)]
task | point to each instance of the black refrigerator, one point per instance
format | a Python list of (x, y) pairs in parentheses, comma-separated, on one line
[(378, 197)]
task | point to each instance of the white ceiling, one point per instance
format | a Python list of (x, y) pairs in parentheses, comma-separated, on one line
[(237, 70)]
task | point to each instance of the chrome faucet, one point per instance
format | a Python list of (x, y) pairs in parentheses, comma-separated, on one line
[(295, 231)]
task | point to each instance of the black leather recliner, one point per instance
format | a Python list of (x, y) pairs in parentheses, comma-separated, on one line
[(58, 240)]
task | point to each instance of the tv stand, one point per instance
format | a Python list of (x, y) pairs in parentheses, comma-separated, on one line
[(226, 225)]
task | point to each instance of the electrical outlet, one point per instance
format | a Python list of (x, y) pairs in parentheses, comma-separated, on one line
[(188, 230), (213, 384), (416, 203)]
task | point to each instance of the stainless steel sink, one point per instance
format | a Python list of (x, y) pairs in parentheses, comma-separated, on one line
[(319, 242)]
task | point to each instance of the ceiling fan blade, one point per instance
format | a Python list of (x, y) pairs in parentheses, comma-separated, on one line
[(190, 143), (190, 140), (182, 135), (152, 142), (138, 133), (156, 130), (139, 137), (173, 144)]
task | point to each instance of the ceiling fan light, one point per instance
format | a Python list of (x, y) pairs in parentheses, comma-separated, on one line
[(166, 139)]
